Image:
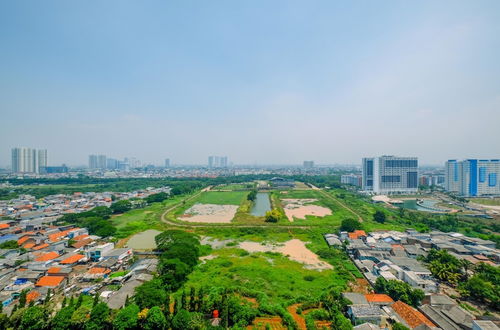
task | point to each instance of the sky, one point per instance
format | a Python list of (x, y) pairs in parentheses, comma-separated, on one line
[(263, 82)]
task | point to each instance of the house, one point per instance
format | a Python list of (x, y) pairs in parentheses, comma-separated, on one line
[(410, 317), (366, 313), (484, 325), (455, 318), (378, 299), (280, 183), (51, 282)]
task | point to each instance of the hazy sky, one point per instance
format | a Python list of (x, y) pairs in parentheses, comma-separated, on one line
[(258, 81)]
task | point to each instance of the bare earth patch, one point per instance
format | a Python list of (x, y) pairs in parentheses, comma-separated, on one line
[(294, 249), (210, 213), (298, 208)]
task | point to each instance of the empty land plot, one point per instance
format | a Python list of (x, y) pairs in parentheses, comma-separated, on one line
[(300, 207), (210, 213)]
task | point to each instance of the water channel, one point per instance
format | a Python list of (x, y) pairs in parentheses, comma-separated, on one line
[(261, 205)]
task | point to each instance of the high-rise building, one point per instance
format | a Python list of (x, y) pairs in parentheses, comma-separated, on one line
[(308, 164), (390, 174), (97, 162), (112, 164), (42, 158), (28, 160), (217, 161), (167, 162), (473, 177)]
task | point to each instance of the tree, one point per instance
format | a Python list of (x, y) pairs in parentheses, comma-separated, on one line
[(379, 216), (399, 326), (273, 216), (181, 320), (157, 198), (184, 304), (126, 318), (121, 206), (173, 272), (99, 317), (47, 297), (398, 290), (149, 294), (9, 245), (62, 320), (155, 320), (34, 318), (22, 298), (350, 225), (79, 317), (252, 195)]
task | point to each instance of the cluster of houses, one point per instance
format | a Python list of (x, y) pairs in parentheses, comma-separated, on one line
[(49, 208), (66, 260), (393, 256), (36, 255)]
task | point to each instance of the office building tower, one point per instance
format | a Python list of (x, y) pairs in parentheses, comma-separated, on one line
[(390, 174), (308, 164), (112, 164), (97, 162), (473, 177), (93, 161), (25, 160), (167, 162)]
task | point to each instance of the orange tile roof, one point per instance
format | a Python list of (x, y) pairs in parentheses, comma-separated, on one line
[(32, 295), (41, 246), (81, 243), (80, 237), (22, 269), (48, 256), (378, 298), (53, 270), (357, 234), (50, 281), (410, 315), (397, 246), (4, 225), (23, 239), (99, 270), (28, 245), (72, 259)]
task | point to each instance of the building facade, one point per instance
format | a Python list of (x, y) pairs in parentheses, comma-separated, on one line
[(351, 179), (308, 164), (473, 177), (390, 174), (97, 162), (28, 160)]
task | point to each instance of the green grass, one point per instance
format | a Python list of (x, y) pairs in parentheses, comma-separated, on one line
[(138, 220), (273, 274), (486, 201), (118, 274), (222, 197)]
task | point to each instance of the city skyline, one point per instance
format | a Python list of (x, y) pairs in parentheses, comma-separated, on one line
[(330, 82)]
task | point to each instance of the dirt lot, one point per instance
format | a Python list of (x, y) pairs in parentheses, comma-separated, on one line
[(210, 213), (298, 208)]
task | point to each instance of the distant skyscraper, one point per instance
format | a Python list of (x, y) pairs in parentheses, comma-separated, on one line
[(92, 161), (167, 162), (112, 164), (308, 164), (390, 174), (217, 161), (27, 160), (42, 158), (352, 179), (473, 177)]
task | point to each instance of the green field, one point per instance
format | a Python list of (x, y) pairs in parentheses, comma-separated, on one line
[(486, 201), (222, 197)]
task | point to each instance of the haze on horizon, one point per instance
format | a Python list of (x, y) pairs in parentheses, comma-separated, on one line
[(259, 81)]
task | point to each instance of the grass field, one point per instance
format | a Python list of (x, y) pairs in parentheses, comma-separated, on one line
[(273, 274), (486, 201), (222, 197)]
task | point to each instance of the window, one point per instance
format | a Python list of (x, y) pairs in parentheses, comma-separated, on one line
[(411, 180), (369, 167), (391, 178), (401, 163), (482, 174), (492, 179)]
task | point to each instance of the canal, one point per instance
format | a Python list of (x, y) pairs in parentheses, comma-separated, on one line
[(261, 205)]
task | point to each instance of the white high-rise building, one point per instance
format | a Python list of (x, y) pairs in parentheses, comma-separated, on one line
[(473, 177), (97, 162), (217, 161), (390, 174), (42, 158), (28, 160)]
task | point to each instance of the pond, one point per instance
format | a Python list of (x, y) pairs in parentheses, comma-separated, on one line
[(261, 205), (426, 205), (144, 240)]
